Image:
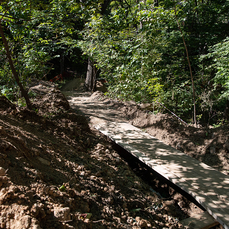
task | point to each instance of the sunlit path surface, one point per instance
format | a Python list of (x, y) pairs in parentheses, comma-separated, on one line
[(208, 186)]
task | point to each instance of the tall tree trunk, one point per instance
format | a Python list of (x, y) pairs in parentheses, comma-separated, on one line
[(91, 69), (15, 74), (104, 7), (190, 69), (91, 75)]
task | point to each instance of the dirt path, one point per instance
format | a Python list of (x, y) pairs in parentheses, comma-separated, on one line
[(96, 107), (206, 145)]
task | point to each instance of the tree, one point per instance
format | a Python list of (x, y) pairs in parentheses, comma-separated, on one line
[(126, 54), (91, 68), (38, 32), (190, 69), (149, 62), (14, 72), (137, 45), (217, 60), (91, 75)]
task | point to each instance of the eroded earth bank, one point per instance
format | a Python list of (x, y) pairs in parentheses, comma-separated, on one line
[(57, 171)]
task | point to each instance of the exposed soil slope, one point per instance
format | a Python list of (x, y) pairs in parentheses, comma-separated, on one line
[(58, 172)]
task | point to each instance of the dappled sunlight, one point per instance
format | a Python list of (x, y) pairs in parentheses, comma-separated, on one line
[(204, 183)]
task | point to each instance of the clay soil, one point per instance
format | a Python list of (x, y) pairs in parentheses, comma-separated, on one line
[(57, 171)]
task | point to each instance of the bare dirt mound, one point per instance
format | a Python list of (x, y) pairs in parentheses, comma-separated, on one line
[(210, 146), (57, 172)]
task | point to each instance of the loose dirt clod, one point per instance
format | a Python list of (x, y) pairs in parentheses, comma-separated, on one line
[(2, 171)]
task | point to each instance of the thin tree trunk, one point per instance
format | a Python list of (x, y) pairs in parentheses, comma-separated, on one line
[(15, 74), (90, 83), (91, 75), (190, 69)]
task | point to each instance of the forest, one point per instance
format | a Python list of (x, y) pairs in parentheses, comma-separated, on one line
[(165, 65), (173, 55)]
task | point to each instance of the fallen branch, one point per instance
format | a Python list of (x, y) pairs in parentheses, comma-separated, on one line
[(172, 113)]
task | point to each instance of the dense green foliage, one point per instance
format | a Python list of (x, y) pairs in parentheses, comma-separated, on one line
[(140, 51), (40, 34), (137, 45)]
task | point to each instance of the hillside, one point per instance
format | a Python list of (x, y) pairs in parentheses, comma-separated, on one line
[(56, 171)]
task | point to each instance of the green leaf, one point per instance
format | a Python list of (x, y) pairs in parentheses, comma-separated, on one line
[(62, 188)]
